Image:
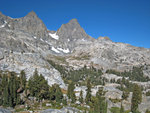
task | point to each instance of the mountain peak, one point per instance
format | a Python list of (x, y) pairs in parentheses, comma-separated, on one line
[(32, 24), (72, 30), (73, 21), (32, 13)]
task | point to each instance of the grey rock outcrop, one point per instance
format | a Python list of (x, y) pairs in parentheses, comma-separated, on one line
[(2, 110), (63, 110)]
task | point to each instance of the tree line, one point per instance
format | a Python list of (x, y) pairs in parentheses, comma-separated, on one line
[(12, 86), (135, 74), (80, 76)]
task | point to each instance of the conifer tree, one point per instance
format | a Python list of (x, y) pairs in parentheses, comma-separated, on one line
[(125, 94), (81, 97), (38, 86), (136, 98), (71, 93), (88, 94), (5, 96), (22, 79), (121, 108), (4, 89), (43, 88), (10, 85), (101, 101), (33, 84), (56, 93)]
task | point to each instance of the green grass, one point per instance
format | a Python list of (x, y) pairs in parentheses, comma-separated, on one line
[(84, 57), (115, 110), (19, 109), (115, 100), (61, 59)]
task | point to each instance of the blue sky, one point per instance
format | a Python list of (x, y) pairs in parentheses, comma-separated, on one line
[(125, 21)]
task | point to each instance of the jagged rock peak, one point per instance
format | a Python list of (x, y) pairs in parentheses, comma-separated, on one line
[(32, 13), (72, 30), (31, 24), (74, 21)]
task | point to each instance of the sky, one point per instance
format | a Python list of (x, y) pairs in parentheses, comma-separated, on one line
[(126, 21)]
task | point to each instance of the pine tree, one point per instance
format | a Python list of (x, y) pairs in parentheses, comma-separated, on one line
[(14, 95), (125, 94), (5, 96), (38, 86), (34, 84), (4, 90), (88, 95), (23, 79), (59, 94), (11, 89), (81, 97), (71, 93), (136, 98), (10, 85), (121, 108), (101, 101), (43, 88), (56, 93), (13, 86)]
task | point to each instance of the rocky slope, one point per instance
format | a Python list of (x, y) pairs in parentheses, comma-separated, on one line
[(26, 44)]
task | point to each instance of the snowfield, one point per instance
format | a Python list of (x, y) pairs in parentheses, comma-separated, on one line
[(54, 36)]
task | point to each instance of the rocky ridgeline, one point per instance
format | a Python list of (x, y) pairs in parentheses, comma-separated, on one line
[(111, 55)]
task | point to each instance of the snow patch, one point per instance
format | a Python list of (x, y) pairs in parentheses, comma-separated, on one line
[(2, 26), (64, 50), (41, 39), (5, 22), (83, 39), (55, 50), (54, 36), (48, 42)]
